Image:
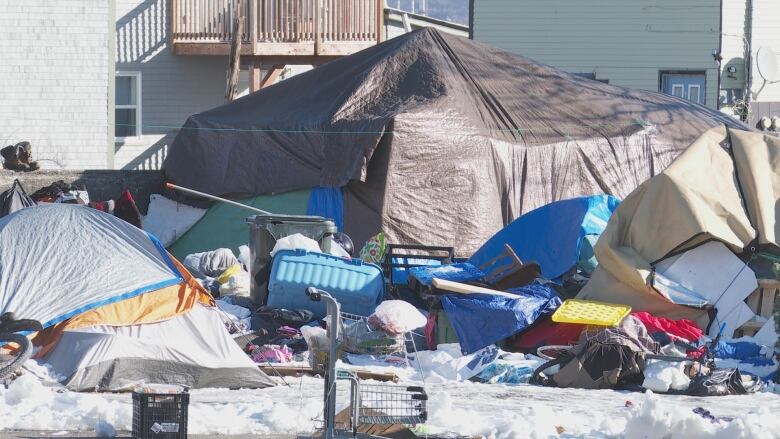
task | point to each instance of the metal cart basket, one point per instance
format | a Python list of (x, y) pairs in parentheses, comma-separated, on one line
[(369, 403)]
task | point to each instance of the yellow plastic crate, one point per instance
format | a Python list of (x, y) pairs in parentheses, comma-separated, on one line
[(590, 312)]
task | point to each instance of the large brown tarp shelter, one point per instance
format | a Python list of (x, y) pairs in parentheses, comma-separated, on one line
[(724, 187), (436, 139)]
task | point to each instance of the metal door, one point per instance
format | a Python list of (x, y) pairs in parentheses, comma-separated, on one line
[(685, 85)]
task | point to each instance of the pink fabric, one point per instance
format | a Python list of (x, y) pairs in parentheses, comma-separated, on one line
[(270, 353), (683, 328)]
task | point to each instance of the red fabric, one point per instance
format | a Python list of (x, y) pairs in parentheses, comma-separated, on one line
[(126, 209), (683, 328), (546, 332), (696, 353), (430, 331)]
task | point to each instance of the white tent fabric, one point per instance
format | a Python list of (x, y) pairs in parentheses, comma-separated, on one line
[(42, 247), (192, 349)]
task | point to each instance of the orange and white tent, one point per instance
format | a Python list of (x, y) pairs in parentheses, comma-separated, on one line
[(117, 309)]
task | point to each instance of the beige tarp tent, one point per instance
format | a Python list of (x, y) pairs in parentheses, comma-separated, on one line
[(725, 186)]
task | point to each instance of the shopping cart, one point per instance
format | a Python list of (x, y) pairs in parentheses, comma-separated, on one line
[(369, 403)]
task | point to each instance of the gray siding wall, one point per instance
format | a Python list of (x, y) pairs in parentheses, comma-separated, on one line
[(55, 80), (625, 41), (173, 86)]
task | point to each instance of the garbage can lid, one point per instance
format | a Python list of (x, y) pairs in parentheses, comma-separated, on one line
[(265, 219)]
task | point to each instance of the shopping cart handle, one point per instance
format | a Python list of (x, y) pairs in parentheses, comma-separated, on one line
[(314, 294)]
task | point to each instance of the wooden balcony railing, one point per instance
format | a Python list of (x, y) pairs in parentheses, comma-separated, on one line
[(277, 27)]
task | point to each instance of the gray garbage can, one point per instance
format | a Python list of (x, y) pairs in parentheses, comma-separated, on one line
[(265, 230)]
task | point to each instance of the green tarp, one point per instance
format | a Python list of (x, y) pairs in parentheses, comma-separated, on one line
[(225, 225)]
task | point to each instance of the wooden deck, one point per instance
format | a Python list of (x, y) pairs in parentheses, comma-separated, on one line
[(285, 31)]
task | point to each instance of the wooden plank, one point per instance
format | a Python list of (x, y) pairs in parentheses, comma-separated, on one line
[(287, 370), (457, 287), (271, 76), (768, 297)]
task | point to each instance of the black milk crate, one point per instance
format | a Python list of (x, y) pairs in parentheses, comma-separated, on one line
[(160, 415)]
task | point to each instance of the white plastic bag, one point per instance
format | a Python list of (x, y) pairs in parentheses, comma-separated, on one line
[(296, 241), (398, 317), (244, 257)]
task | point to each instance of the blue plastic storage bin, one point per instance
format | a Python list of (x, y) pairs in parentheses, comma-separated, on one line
[(358, 286)]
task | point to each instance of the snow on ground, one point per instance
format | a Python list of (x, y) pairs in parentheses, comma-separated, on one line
[(33, 402)]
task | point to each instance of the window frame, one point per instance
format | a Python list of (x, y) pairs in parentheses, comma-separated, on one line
[(698, 93), (137, 106)]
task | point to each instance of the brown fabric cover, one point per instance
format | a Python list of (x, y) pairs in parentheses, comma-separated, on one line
[(697, 198), (439, 140)]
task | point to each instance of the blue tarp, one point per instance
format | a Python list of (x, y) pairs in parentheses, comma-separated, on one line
[(327, 202), (457, 272), (482, 319), (551, 235)]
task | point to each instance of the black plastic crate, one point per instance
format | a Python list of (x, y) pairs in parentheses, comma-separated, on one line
[(160, 415)]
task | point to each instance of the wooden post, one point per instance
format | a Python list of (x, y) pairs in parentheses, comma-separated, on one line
[(380, 20), (252, 22), (317, 17), (255, 78), (174, 22), (235, 58)]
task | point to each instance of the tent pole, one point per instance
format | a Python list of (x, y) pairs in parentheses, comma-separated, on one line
[(215, 198)]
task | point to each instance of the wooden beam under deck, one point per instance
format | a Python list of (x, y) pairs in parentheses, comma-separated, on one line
[(287, 50)]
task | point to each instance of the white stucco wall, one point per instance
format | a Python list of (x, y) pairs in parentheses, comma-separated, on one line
[(55, 80)]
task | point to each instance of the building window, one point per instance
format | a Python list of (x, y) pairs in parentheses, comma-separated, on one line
[(127, 104), (684, 84)]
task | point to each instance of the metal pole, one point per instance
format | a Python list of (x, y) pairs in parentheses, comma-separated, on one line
[(215, 198), (330, 377)]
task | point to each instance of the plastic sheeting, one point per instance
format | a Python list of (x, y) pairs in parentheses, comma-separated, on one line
[(438, 140), (480, 319), (551, 235), (723, 188), (327, 202), (224, 225), (169, 220), (59, 260)]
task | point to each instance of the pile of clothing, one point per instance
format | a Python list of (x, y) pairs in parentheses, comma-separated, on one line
[(60, 191)]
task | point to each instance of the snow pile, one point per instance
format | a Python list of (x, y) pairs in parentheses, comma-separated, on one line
[(29, 405), (654, 418), (527, 421)]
